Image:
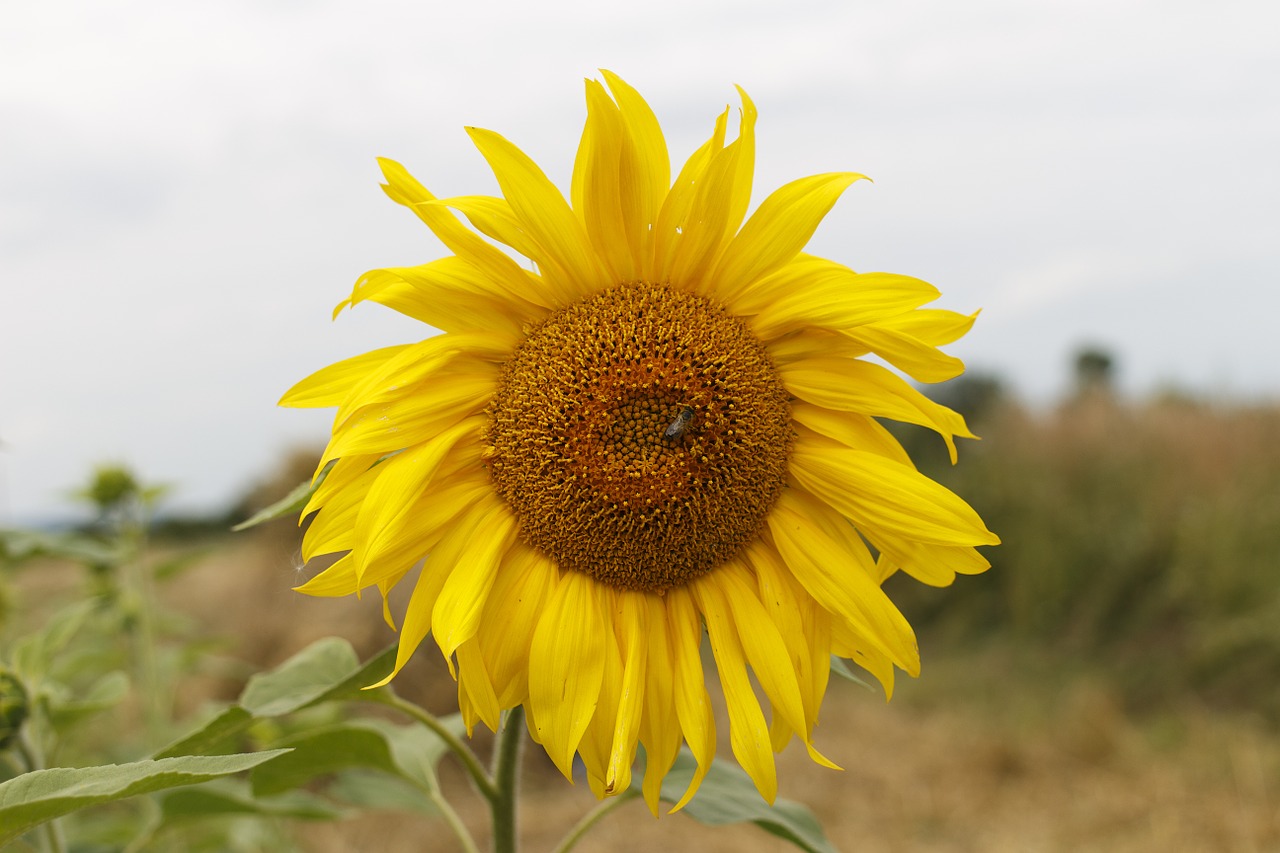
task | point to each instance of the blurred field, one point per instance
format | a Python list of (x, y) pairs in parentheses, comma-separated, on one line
[(1112, 684)]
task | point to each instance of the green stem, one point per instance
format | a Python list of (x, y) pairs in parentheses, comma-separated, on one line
[(137, 576), (593, 817), (506, 777), (27, 747), (470, 763), (455, 822)]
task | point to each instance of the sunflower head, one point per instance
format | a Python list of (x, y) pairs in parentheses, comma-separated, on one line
[(665, 431)]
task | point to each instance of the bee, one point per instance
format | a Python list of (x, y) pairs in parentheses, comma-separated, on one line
[(679, 425)]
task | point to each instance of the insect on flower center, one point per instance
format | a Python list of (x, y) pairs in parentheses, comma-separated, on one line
[(641, 436)]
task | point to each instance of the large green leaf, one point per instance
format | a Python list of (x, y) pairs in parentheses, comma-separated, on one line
[(416, 749), (41, 795), (728, 795), (370, 791), (323, 752), (231, 797), (325, 670), (217, 736), (408, 752)]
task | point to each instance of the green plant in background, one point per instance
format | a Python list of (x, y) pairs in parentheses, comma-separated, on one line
[(1139, 537)]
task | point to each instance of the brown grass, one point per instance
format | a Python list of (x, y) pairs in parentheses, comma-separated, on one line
[(1110, 685), (993, 749)]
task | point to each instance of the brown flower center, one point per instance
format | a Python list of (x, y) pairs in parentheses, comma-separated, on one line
[(641, 436)]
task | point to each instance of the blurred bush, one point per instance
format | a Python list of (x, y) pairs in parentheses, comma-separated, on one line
[(1145, 538)]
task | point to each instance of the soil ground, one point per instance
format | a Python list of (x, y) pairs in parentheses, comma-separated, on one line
[(993, 749)]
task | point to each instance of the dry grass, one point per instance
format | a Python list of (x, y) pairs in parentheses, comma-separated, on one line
[(1110, 685), (990, 750)]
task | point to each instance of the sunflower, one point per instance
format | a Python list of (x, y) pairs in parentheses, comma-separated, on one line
[(666, 427)]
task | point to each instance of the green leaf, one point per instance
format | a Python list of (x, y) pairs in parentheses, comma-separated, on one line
[(41, 795), (171, 568), (105, 693), (728, 795), (327, 669), (321, 753), (34, 653), (409, 752), (214, 737), (232, 797), (18, 546), (840, 668), (416, 749), (371, 791), (291, 504)]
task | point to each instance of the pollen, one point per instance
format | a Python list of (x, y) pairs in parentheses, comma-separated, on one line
[(640, 436)]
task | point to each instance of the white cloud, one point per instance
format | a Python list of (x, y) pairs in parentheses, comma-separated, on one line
[(187, 189)]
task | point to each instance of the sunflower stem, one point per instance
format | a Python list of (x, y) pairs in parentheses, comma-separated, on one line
[(27, 746), (455, 822), (484, 784), (506, 777), (593, 817)]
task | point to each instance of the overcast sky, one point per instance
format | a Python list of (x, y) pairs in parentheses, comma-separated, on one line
[(186, 189)]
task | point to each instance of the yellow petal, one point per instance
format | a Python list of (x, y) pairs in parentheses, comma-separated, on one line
[(451, 295), (934, 326), (597, 740), (403, 189), (644, 172), (660, 725), (414, 419), (813, 343), (566, 668), (408, 373), (719, 203), (850, 385), (457, 611), (748, 731), (833, 297), (329, 385), (475, 684), (546, 217), (334, 582), (935, 565), (398, 484), (792, 610), (347, 481), (598, 185), (861, 432), (777, 231), (632, 631), (494, 218), (837, 572), (520, 592), (878, 494), (763, 644), (919, 360), (417, 617), (693, 705), (847, 643), (673, 217)]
